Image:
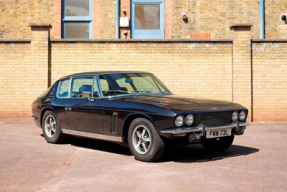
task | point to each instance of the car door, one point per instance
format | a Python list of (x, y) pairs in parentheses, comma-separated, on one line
[(59, 103), (84, 108)]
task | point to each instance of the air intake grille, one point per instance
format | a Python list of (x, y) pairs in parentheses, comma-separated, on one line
[(213, 119)]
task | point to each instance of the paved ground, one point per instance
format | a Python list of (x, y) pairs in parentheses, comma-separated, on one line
[(256, 162)]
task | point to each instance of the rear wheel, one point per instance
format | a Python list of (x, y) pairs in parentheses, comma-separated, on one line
[(217, 144), (144, 141), (51, 129)]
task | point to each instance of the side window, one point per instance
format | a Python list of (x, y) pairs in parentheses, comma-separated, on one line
[(82, 87), (63, 91)]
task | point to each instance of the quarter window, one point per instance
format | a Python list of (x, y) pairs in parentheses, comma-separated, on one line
[(77, 19), (63, 91)]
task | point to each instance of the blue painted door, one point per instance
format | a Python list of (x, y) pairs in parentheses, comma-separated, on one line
[(147, 20)]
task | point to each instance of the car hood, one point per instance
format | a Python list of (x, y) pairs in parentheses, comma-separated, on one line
[(186, 104)]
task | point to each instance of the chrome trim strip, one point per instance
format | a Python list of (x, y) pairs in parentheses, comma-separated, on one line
[(207, 128), (93, 135), (70, 87), (99, 87)]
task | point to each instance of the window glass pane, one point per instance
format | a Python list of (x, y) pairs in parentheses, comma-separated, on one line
[(82, 87), (147, 17), (76, 30), (104, 85), (63, 91), (130, 83), (77, 8)]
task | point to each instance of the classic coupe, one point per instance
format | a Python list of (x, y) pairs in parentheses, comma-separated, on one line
[(137, 110)]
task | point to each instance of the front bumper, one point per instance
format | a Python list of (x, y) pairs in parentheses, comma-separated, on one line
[(203, 129)]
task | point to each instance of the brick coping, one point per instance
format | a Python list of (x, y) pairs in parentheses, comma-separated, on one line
[(141, 40), (269, 40), (15, 40)]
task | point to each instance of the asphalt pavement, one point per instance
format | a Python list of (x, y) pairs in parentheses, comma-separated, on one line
[(257, 161)]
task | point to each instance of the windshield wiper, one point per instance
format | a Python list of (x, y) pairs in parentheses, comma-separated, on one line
[(162, 92), (120, 91)]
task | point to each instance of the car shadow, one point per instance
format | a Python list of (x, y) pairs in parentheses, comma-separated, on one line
[(197, 154), (185, 154), (98, 145)]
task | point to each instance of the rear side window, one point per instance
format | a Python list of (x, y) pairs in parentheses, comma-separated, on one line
[(82, 87), (63, 91)]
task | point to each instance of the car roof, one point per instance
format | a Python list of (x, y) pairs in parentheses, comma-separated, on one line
[(100, 73)]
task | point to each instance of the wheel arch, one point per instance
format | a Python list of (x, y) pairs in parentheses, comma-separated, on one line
[(129, 120), (43, 112)]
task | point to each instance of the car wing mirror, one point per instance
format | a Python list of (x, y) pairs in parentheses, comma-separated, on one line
[(91, 99)]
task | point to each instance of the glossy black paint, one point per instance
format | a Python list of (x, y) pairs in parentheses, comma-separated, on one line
[(96, 116)]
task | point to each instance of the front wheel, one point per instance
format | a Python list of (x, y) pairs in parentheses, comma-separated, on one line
[(217, 144), (144, 141)]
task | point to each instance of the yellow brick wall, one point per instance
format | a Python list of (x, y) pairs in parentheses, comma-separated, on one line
[(217, 70), (23, 73), (242, 66), (201, 69), (16, 84), (270, 80)]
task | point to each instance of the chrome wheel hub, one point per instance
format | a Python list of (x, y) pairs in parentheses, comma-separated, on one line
[(50, 126), (141, 139)]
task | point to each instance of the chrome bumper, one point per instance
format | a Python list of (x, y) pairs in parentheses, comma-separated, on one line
[(203, 129)]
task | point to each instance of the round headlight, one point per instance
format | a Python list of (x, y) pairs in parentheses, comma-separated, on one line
[(234, 116), (189, 119), (242, 115), (178, 121)]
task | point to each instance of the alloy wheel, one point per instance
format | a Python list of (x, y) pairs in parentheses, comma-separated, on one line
[(141, 139), (50, 126)]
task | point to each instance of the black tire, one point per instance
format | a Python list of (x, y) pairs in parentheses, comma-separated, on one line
[(217, 144), (156, 147), (58, 136)]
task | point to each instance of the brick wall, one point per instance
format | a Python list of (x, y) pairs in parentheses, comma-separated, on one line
[(107, 19), (16, 82), (275, 27), (203, 69), (269, 80), (204, 16), (16, 15), (218, 69)]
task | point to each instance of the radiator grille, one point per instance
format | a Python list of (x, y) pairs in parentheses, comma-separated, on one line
[(213, 119)]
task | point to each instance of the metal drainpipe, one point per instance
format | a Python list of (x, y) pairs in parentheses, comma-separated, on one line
[(117, 19), (262, 19)]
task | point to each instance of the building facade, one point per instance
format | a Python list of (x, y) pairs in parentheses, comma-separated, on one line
[(147, 19), (202, 48)]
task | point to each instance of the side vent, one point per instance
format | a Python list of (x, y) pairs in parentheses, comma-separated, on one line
[(114, 121)]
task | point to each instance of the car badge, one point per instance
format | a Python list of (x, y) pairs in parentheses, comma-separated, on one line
[(213, 108)]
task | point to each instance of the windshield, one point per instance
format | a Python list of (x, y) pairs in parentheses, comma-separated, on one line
[(131, 83)]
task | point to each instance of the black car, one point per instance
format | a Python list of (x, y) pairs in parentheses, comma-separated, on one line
[(135, 109)]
